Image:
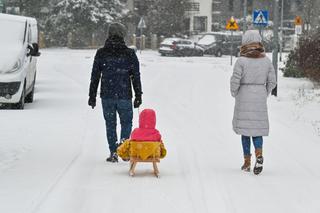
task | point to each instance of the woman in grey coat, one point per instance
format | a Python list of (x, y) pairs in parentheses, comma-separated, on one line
[(252, 81)]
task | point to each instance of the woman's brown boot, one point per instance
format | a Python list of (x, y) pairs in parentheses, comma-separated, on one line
[(259, 162), (247, 163)]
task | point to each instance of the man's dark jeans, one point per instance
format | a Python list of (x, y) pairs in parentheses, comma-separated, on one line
[(110, 109)]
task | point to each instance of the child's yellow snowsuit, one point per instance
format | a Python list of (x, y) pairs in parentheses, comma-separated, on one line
[(141, 149)]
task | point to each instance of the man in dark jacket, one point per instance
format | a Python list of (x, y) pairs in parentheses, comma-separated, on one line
[(118, 68)]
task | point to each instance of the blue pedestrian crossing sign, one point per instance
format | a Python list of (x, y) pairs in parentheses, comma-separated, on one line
[(261, 17)]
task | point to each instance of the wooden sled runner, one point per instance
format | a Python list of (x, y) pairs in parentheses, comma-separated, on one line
[(134, 161)]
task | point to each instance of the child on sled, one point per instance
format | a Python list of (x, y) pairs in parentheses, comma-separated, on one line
[(145, 144)]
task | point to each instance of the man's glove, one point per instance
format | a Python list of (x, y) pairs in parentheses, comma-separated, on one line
[(137, 102), (92, 102)]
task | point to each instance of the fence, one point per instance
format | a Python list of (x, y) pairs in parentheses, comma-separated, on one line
[(94, 41)]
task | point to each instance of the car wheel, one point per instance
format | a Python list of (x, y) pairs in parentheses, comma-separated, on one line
[(185, 53), (29, 97), (218, 53), (200, 53), (20, 105), (162, 54), (2, 106)]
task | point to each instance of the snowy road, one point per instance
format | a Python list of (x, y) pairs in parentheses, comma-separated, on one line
[(52, 155)]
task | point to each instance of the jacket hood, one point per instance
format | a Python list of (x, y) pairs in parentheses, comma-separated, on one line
[(147, 119), (251, 36), (146, 130), (117, 29)]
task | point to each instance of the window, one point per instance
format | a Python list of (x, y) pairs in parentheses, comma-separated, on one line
[(193, 6), (216, 5), (29, 34), (200, 23)]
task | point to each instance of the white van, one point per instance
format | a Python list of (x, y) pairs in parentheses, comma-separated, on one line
[(18, 51)]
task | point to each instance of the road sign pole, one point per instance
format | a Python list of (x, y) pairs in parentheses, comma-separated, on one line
[(245, 8), (141, 25), (261, 31), (231, 48), (275, 42)]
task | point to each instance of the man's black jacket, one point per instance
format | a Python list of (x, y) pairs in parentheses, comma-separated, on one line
[(117, 66)]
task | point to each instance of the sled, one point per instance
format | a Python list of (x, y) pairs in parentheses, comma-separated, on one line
[(142, 152), (134, 161)]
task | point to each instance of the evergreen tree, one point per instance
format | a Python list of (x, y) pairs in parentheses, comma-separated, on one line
[(166, 17), (163, 17), (82, 18)]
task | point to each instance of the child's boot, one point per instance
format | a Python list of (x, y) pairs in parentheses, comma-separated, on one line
[(259, 162), (247, 163)]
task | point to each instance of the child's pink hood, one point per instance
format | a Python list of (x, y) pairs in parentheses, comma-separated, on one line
[(146, 130)]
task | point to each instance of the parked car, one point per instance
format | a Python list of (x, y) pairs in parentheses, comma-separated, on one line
[(18, 52), (180, 47), (219, 43)]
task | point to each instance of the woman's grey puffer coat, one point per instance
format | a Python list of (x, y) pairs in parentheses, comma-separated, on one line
[(252, 81)]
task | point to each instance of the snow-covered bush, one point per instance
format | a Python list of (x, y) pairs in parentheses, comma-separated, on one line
[(291, 68), (305, 59)]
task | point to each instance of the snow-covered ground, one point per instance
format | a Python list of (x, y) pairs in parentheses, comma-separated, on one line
[(52, 154)]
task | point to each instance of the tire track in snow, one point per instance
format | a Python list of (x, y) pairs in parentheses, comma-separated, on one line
[(63, 172), (46, 193)]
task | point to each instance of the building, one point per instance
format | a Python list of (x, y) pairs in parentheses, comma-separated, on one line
[(211, 15), (198, 16)]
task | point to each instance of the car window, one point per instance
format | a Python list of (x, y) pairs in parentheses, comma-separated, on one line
[(13, 33), (29, 34), (187, 42), (168, 41), (207, 39)]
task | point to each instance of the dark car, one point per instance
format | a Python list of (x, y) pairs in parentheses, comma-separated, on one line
[(179, 47), (219, 43)]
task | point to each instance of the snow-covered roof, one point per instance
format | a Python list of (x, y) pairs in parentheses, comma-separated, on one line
[(222, 33), (15, 18), (207, 39)]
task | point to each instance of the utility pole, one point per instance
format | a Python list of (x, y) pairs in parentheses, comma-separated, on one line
[(275, 42), (245, 10), (281, 29)]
